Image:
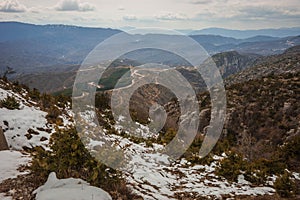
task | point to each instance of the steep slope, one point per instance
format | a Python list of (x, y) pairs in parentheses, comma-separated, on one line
[(288, 62), (233, 62), (33, 124), (26, 121)]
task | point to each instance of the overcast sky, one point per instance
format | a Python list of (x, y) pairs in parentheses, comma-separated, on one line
[(172, 14)]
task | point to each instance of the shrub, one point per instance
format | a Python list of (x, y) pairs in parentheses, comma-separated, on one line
[(231, 166), (167, 137), (53, 114), (258, 170), (290, 153), (10, 103), (285, 186), (34, 94)]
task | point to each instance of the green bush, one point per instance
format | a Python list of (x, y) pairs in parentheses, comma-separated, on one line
[(258, 170), (231, 166), (10, 103), (285, 186), (256, 177), (34, 94), (167, 137), (290, 153)]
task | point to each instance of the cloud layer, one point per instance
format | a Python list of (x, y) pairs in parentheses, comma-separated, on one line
[(12, 6), (171, 14)]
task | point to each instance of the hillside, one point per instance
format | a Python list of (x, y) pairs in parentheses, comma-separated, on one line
[(262, 122), (171, 180), (33, 123), (257, 156), (288, 62)]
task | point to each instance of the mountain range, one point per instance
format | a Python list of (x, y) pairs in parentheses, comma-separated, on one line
[(243, 34), (33, 49)]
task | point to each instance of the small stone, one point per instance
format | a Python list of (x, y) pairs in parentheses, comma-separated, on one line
[(43, 139)]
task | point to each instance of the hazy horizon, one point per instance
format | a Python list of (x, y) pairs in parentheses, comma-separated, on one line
[(131, 27)]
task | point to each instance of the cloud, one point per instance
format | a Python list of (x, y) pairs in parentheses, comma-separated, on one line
[(250, 15), (171, 17), (74, 5), (130, 18), (254, 13), (121, 8), (200, 1), (203, 2), (12, 6)]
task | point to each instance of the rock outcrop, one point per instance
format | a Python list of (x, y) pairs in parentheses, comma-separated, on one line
[(3, 142)]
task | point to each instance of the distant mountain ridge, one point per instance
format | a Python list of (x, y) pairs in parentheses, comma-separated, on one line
[(243, 34), (35, 49), (31, 48), (12, 31)]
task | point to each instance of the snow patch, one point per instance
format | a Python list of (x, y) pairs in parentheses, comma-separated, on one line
[(19, 122), (69, 189), (10, 162)]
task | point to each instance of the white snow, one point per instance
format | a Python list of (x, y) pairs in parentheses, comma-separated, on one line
[(69, 189), (242, 181), (19, 122), (3, 197), (296, 175), (10, 162)]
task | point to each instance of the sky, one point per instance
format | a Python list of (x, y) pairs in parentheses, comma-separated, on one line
[(168, 14)]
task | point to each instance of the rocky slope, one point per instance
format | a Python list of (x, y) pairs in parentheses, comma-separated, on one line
[(288, 62)]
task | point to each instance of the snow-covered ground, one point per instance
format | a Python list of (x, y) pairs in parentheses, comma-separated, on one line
[(10, 162), (24, 127), (27, 126), (151, 174), (21, 127), (153, 177)]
